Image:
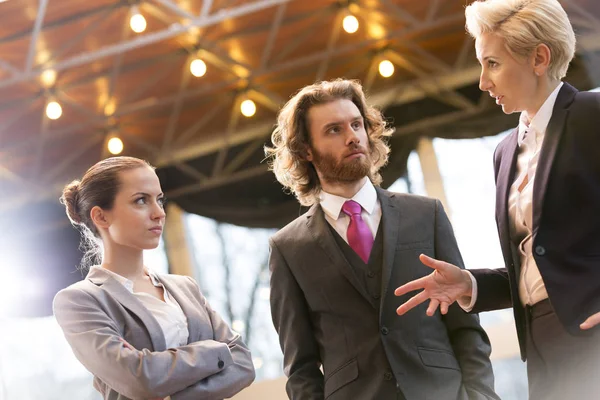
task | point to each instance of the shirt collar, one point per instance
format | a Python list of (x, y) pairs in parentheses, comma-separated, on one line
[(366, 197), (102, 274), (539, 123)]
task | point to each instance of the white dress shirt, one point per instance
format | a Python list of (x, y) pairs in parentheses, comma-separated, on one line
[(168, 313), (366, 197), (520, 203)]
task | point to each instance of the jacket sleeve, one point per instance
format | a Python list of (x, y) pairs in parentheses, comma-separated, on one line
[(301, 355), (493, 290), (137, 374), (469, 341), (230, 380)]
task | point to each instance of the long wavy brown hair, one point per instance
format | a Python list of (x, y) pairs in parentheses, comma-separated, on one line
[(291, 138)]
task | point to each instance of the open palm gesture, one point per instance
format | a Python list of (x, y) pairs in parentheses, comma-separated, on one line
[(446, 284)]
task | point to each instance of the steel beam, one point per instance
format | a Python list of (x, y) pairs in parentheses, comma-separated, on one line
[(150, 38), (333, 38), (37, 27), (218, 181), (176, 9), (272, 35)]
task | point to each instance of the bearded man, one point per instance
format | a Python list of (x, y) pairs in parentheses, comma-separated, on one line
[(334, 269)]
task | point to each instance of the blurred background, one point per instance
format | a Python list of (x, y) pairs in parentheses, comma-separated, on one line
[(194, 86)]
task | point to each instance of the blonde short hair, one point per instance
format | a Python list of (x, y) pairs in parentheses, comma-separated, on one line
[(525, 24), (291, 138)]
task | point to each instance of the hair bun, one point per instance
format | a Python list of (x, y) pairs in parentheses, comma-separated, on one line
[(70, 198)]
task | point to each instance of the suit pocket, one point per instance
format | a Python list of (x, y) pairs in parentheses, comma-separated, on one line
[(438, 358), (423, 244), (341, 377)]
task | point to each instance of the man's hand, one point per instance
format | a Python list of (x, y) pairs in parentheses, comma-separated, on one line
[(591, 321), (446, 284)]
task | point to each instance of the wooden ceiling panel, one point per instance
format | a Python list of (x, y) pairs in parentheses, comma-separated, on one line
[(82, 35), (28, 124), (17, 18), (148, 90), (15, 52)]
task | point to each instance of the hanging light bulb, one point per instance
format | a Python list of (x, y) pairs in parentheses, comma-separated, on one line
[(198, 68), (137, 22), (115, 145), (386, 68), (350, 23), (48, 78), (53, 110), (248, 108)]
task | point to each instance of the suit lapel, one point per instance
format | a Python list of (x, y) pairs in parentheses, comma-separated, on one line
[(191, 312), (117, 291), (319, 229), (391, 220), (506, 174), (554, 132)]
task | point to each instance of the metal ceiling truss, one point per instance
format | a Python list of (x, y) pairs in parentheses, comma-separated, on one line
[(441, 84)]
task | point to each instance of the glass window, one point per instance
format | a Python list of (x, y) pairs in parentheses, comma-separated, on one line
[(232, 270), (466, 167)]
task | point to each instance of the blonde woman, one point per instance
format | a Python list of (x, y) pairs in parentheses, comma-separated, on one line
[(142, 335), (547, 196)]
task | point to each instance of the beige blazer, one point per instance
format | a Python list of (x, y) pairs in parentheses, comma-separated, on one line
[(98, 313)]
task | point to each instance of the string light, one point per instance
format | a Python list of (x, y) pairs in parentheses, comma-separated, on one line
[(198, 68), (137, 22), (248, 108), (53, 110), (48, 78), (115, 145), (386, 68), (350, 23)]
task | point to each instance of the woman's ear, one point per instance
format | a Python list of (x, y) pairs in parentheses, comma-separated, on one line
[(542, 59), (99, 217)]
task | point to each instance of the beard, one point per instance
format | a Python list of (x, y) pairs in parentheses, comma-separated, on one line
[(344, 170)]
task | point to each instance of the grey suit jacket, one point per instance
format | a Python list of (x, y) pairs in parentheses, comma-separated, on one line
[(324, 316), (98, 313)]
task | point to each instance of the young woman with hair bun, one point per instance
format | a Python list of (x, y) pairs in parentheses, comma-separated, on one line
[(142, 335)]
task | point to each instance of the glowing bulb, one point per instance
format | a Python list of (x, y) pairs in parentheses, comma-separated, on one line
[(198, 68), (137, 22), (48, 77), (53, 110), (248, 108), (386, 68), (350, 23), (115, 145)]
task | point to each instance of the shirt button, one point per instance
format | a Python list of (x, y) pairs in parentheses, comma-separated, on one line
[(376, 296), (387, 376), (540, 250), (385, 330), (221, 364), (370, 274)]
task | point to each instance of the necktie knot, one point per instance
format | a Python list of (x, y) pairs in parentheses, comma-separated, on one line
[(351, 208)]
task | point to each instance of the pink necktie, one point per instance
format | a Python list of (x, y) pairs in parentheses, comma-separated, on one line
[(359, 235)]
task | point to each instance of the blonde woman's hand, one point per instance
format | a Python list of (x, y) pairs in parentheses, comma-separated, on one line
[(446, 284)]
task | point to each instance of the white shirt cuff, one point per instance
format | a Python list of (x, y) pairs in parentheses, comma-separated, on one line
[(467, 303)]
